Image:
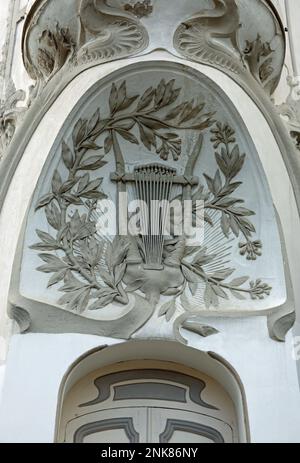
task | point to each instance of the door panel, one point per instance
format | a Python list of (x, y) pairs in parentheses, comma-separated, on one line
[(171, 426), (112, 436), (187, 438), (147, 425), (124, 425)]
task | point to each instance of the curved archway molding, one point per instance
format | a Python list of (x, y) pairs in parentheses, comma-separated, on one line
[(165, 356)]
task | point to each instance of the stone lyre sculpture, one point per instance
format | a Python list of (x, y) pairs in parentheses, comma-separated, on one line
[(153, 186)]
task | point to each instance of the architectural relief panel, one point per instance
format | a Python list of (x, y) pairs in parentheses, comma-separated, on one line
[(223, 33), (290, 110), (157, 132), (229, 36), (92, 31), (10, 115)]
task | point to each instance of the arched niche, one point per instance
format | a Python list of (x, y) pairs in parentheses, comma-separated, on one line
[(202, 120), (171, 383)]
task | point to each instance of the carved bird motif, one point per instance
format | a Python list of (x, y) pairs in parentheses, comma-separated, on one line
[(195, 38), (106, 32)]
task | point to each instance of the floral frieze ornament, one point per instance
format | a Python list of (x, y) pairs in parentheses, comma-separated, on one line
[(139, 9), (10, 115), (195, 37), (90, 32), (258, 55), (54, 50), (200, 38), (107, 33), (92, 272), (290, 110), (86, 32), (166, 144)]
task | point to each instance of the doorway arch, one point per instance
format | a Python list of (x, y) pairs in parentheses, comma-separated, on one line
[(151, 391)]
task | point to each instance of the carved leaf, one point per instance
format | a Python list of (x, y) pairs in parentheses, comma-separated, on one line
[(53, 215), (239, 281), (113, 99), (190, 250), (168, 309), (105, 297), (134, 286), (219, 291), (48, 243), (76, 300), (67, 156), (94, 121), (119, 272), (222, 275), (225, 224), (128, 102), (210, 297), (107, 278), (93, 163), (202, 258), (186, 303), (238, 295), (72, 283), (56, 278), (193, 288), (199, 328), (128, 136), (44, 200), (53, 264), (56, 182), (189, 275), (108, 143), (146, 99)]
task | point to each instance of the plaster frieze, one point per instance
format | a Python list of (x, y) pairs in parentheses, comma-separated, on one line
[(157, 129), (231, 35)]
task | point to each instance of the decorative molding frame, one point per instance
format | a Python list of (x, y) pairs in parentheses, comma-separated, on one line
[(282, 320), (105, 384), (194, 428), (234, 373), (114, 423)]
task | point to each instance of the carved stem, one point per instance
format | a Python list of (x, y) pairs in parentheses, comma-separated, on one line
[(80, 270), (120, 169), (190, 166), (221, 209), (209, 279)]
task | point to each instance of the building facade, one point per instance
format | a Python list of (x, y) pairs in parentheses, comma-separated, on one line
[(118, 321)]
